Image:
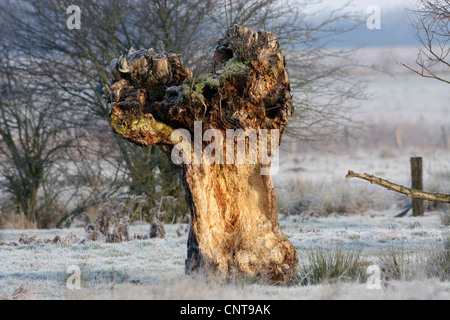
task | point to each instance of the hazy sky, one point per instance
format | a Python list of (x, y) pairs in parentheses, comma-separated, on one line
[(384, 4), (395, 29)]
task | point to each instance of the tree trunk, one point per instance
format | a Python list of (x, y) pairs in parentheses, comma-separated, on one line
[(235, 223), (156, 101)]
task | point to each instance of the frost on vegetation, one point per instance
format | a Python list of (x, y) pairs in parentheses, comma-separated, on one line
[(438, 265), (432, 262), (114, 219), (112, 224), (158, 266), (21, 292), (396, 264), (183, 230), (331, 266), (301, 219), (157, 229), (445, 218), (33, 240), (338, 200)]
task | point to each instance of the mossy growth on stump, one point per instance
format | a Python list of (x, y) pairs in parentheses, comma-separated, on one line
[(234, 229)]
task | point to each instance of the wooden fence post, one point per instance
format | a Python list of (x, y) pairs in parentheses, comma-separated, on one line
[(417, 183)]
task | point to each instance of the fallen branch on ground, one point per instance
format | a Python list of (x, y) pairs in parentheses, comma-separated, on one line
[(412, 193)]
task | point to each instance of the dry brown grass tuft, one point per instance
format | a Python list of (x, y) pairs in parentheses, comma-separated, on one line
[(16, 221)]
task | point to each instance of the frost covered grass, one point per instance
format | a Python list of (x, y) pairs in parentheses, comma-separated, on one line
[(341, 246), (345, 227), (336, 196), (396, 264), (331, 266), (445, 218), (316, 183), (339, 228), (438, 262)]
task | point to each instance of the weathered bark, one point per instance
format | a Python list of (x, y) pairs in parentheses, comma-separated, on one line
[(235, 227), (412, 193)]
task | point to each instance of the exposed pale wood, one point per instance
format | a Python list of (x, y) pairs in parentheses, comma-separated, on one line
[(235, 229), (412, 193)]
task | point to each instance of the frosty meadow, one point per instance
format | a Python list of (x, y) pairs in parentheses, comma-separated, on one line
[(158, 173)]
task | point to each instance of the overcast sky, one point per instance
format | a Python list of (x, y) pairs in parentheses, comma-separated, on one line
[(384, 4), (395, 25)]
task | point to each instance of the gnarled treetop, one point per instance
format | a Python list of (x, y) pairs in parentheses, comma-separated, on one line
[(153, 94)]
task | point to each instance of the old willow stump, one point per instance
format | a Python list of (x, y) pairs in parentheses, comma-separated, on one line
[(155, 100)]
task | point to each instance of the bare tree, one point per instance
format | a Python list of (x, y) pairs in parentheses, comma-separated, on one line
[(109, 27), (430, 18), (31, 139), (75, 64), (325, 94)]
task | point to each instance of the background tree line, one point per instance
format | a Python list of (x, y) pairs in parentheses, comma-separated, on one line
[(59, 157)]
